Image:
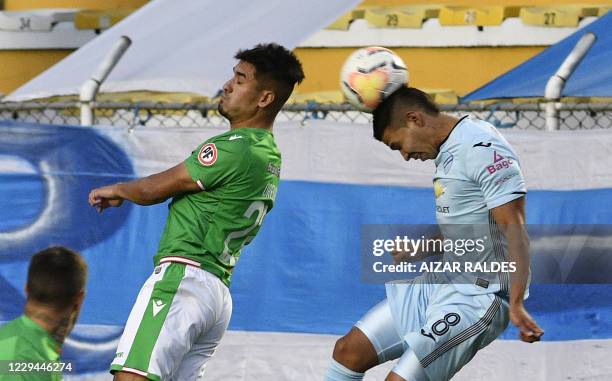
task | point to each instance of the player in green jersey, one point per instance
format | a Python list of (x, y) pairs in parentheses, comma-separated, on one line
[(30, 345), (221, 194)]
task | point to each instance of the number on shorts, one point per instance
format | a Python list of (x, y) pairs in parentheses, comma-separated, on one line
[(442, 326)]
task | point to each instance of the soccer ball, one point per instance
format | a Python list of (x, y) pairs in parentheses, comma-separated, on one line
[(371, 74)]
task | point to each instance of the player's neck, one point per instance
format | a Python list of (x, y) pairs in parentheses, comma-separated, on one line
[(257, 121), (444, 124), (234, 126), (57, 323)]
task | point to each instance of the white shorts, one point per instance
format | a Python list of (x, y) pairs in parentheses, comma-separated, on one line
[(176, 324), (435, 327)]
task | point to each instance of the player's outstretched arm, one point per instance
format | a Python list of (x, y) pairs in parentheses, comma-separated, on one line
[(511, 218), (145, 191)]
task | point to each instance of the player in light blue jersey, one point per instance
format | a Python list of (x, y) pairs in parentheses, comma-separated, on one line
[(436, 323)]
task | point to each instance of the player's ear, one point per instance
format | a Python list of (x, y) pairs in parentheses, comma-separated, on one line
[(415, 117), (411, 117), (267, 98), (78, 300)]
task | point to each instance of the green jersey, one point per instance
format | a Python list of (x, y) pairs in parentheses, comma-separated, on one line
[(239, 173), (24, 340)]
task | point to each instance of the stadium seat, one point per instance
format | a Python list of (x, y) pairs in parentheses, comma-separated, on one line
[(443, 96), (589, 11), (36, 20), (345, 20), (560, 16), (400, 17), (481, 16), (27, 5), (100, 19), (342, 23)]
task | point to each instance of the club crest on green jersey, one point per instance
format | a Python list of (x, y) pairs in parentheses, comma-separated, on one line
[(208, 154)]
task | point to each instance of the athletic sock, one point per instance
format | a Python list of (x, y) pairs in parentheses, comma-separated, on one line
[(338, 372)]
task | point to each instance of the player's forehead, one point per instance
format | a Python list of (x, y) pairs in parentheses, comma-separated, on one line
[(244, 69)]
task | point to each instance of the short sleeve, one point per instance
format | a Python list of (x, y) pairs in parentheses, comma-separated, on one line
[(495, 168), (213, 163)]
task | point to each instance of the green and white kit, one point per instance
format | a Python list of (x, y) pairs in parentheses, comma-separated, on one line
[(183, 309)]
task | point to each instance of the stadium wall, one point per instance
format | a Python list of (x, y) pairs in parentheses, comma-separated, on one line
[(458, 57), (23, 65), (21, 5), (460, 69), (298, 285)]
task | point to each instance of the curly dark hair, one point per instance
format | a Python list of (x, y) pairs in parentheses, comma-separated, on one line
[(275, 66)]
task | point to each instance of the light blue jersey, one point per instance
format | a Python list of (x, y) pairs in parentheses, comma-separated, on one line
[(436, 322), (476, 171), (435, 326)]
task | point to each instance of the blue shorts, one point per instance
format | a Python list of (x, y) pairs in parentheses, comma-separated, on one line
[(432, 327)]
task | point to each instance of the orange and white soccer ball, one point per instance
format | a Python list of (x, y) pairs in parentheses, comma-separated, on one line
[(371, 74)]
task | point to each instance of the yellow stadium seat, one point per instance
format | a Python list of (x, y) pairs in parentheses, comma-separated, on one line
[(342, 23), (561, 16), (359, 13), (35, 20), (589, 11), (443, 96), (345, 20), (28, 5), (481, 16), (400, 17), (100, 19)]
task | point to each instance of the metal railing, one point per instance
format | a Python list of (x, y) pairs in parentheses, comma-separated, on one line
[(572, 116)]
